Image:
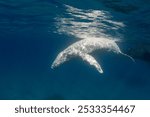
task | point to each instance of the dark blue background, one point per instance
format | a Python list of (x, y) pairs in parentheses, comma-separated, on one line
[(28, 46)]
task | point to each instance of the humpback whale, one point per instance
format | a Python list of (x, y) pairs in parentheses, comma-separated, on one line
[(84, 48)]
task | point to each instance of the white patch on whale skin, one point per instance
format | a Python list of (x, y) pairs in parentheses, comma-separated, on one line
[(92, 35)]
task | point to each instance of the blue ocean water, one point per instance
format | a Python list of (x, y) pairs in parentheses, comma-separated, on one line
[(30, 40)]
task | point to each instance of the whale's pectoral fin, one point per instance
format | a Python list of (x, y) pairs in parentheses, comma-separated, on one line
[(91, 60)]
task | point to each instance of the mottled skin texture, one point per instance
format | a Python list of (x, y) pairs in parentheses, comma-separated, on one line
[(83, 48)]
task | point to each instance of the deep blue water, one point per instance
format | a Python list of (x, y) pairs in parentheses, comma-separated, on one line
[(30, 41)]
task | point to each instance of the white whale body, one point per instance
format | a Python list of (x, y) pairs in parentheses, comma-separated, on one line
[(84, 48)]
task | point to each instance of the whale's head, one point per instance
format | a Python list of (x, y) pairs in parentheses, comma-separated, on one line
[(60, 59)]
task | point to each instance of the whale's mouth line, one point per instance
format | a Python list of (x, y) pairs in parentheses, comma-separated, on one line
[(91, 27)]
